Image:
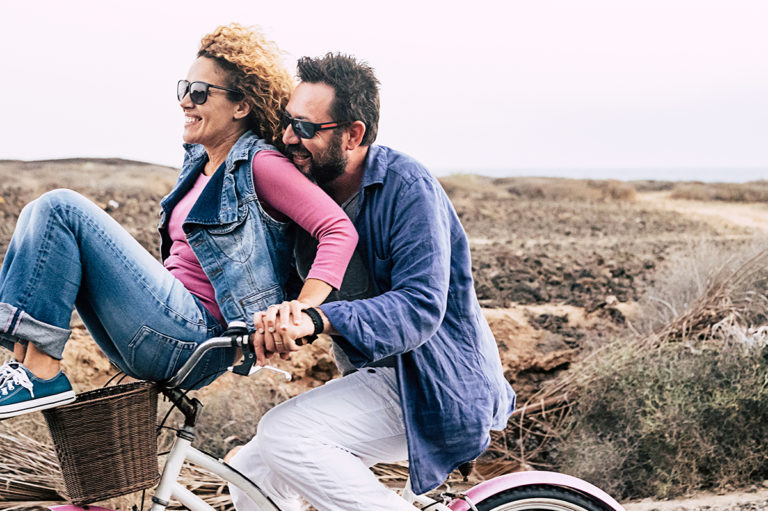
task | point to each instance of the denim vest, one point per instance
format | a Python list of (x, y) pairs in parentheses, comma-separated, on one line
[(246, 254)]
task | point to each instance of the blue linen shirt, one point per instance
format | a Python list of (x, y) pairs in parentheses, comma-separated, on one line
[(425, 314)]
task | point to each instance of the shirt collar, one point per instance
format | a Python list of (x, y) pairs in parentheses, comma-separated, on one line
[(375, 166)]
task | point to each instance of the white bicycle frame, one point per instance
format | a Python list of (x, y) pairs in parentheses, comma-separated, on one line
[(169, 487), (237, 335)]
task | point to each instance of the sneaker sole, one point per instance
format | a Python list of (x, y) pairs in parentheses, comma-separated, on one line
[(35, 405)]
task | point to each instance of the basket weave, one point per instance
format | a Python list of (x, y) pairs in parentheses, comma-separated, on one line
[(106, 441)]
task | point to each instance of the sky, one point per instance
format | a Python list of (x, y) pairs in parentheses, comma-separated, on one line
[(577, 88)]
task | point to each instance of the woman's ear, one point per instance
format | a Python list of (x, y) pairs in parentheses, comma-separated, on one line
[(356, 132), (242, 109)]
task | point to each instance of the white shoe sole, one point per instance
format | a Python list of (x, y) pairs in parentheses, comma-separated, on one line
[(35, 405)]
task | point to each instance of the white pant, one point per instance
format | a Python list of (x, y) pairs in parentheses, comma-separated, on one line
[(320, 445)]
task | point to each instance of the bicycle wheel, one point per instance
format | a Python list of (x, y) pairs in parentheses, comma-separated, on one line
[(538, 498)]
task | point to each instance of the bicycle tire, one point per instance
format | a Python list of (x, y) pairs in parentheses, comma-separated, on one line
[(539, 498)]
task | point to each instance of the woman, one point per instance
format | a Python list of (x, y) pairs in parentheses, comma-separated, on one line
[(226, 241)]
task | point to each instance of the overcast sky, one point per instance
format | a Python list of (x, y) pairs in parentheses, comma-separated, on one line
[(490, 87)]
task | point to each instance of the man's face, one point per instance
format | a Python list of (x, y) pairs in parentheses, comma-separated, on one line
[(322, 156)]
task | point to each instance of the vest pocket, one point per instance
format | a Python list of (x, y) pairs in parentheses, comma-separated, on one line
[(235, 240), (261, 300)]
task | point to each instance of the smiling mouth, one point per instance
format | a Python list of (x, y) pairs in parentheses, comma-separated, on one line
[(300, 158), (189, 120)]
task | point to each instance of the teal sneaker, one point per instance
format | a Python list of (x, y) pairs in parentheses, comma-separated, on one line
[(22, 392)]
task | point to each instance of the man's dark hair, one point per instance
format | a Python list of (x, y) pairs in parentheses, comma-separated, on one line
[(356, 86)]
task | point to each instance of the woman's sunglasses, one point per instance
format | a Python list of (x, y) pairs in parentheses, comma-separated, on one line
[(306, 129), (198, 91)]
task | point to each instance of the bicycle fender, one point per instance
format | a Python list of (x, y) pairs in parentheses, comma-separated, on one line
[(70, 507), (518, 479)]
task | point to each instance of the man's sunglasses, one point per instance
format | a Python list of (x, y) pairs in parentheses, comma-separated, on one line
[(306, 129), (198, 91)]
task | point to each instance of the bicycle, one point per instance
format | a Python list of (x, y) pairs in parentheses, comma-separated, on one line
[(519, 491)]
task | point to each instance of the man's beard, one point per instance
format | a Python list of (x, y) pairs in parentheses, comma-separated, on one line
[(326, 166)]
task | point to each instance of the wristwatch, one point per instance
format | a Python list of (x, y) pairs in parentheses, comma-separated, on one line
[(317, 321)]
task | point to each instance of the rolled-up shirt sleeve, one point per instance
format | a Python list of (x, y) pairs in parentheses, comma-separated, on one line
[(285, 193)]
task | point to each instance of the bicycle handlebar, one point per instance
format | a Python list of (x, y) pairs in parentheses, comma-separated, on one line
[(235, 336)]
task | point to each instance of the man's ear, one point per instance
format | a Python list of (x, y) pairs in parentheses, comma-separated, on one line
[(242, 109), (356, 132)]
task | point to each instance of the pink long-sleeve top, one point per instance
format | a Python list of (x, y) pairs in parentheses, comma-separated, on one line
[(285, 194)]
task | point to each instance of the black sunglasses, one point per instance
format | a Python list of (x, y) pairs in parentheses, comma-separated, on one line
[(306, 129), (198, 91)]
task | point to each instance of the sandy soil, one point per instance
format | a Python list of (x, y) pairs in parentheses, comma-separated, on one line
[(756, 500), (750, 216)]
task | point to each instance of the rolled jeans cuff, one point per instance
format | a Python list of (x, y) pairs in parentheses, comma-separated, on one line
[(18, 326)]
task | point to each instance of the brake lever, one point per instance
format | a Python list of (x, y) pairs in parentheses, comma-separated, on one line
[(241, 338), (247, 368), (256, 369), (240, 335)]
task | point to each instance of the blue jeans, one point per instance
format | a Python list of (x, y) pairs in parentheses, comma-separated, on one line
[(67, 253)]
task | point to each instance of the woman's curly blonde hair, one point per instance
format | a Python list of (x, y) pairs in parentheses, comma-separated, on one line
[(254, 67)]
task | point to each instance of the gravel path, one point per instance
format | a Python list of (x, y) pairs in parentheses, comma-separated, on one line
[(742, 501)]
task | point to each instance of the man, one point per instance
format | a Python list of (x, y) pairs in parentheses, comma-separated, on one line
[(423, 380)]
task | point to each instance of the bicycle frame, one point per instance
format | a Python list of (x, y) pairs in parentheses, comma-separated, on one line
[(170, 488), (237, 335)]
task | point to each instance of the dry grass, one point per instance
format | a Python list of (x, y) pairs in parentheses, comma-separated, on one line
[(755, 191), (29, 473)]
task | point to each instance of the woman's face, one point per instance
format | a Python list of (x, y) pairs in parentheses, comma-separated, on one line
[(218, 121)]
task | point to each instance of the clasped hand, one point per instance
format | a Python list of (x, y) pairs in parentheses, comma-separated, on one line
[(279, 330)]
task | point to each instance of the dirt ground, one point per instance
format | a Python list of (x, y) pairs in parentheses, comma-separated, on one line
[(754, 500), (551, 273)]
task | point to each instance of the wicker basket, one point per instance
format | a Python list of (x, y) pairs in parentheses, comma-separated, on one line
[(106, 441)]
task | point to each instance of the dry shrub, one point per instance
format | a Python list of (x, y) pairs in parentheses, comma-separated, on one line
[(755, 191), (470, 185), (650, 185), (538, 188), (556, 189), (685, 406), (701, 287), (673, 419)]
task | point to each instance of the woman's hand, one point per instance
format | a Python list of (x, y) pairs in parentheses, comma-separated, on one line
[(278, 317), (278, 328)]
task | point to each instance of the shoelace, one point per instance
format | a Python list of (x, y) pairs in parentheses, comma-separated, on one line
[(17, 376), (7, 370)]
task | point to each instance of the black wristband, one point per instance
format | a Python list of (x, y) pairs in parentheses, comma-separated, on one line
[(317, 321)]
